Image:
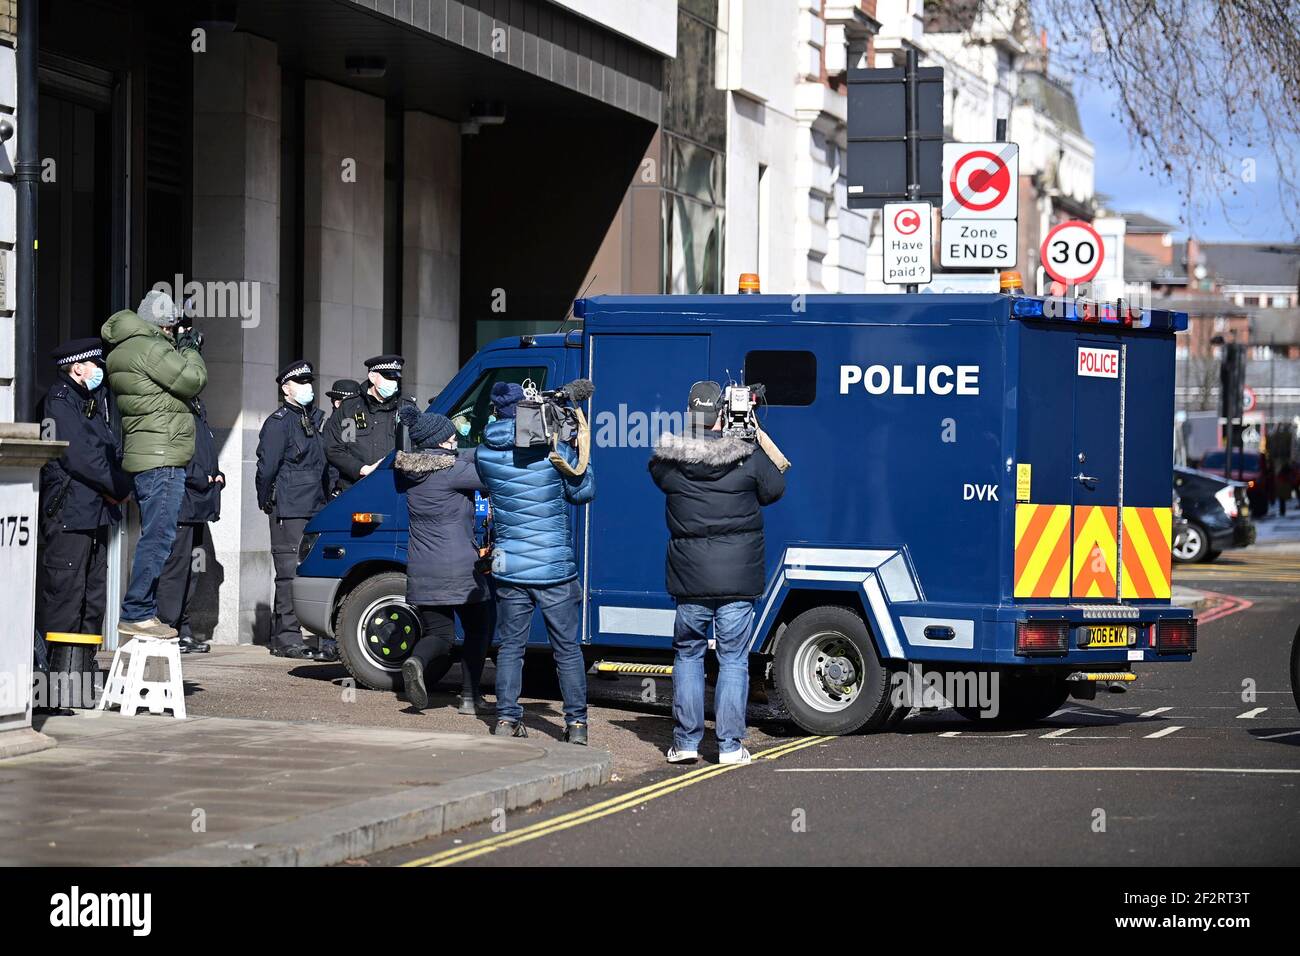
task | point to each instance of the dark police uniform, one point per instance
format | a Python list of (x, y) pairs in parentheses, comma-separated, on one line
[(202, 504), (365, 429), (343, 388), (292, 485), (76, 487)]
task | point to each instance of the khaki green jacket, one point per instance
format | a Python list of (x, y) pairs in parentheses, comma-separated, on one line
[(153, 384)]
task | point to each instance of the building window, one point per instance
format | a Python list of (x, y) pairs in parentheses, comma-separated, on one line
[(693, 143), (790, 377)]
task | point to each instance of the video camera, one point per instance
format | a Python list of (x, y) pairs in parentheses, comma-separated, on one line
[(739, 409), (552, 416)]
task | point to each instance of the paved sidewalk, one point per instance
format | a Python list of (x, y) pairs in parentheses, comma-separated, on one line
[(222, 791), (1275, 529)]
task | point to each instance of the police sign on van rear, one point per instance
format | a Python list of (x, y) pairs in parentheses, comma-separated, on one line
[(1098, 363)]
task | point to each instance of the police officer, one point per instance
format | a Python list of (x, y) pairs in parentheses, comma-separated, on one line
[(80, 491), (204, 481), (292, 477), (343, 388), (365, 428)]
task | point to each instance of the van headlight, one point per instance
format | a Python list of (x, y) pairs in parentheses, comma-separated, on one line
[(306, 544)]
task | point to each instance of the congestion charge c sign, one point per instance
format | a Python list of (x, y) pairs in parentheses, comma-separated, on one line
[(1072, 252)]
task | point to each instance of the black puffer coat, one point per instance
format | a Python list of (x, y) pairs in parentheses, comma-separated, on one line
[(716, 487)]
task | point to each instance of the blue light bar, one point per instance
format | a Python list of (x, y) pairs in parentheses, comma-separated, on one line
[(1100, 314)]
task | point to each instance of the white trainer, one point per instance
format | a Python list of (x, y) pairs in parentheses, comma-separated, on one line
[(682, 756), (740, 755)]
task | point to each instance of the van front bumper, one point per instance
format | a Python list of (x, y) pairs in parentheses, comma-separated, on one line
[(313, 602)]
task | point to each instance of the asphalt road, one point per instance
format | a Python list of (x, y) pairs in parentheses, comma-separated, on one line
[(1184, 768)]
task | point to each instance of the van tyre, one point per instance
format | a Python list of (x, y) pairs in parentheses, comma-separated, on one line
[(829, 677), (377, 598), (1023, 700)]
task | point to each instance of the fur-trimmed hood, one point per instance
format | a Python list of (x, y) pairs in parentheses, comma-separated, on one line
[(710, 452), (423, 462)]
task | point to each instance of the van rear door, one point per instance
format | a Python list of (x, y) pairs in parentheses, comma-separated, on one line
[(1094, 450), (642, 381), (1097, 467)]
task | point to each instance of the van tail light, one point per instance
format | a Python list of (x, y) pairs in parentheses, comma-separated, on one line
[(1176, 637), (1042, 637)]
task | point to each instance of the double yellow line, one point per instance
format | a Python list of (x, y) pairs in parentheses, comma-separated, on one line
[(603, 809)]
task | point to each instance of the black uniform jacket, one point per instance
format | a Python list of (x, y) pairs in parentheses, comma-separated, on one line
[(74, 486), (361, 432), (292, 475)]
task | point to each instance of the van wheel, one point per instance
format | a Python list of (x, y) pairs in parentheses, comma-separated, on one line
[(377, 630), (1022, 700), (828, 674)]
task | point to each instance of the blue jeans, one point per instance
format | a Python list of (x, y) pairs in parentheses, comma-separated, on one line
[(561, 607), (731, 621), (159, 492)]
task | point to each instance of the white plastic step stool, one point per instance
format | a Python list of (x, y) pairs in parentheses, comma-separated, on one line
[(126, 685)]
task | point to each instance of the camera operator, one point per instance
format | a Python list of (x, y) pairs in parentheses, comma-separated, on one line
[(716, 485), (533, 561), (154, 370)]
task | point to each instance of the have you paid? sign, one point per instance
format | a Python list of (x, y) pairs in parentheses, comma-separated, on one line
[(908, 240)]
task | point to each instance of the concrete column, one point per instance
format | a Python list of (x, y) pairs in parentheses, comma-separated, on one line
[(430, 254), (343, 218), (237, 266)]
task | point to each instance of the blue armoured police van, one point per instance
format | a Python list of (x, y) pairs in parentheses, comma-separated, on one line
[(980, 485)]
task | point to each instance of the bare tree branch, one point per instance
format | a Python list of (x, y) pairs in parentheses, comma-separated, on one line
[(1209, 91)]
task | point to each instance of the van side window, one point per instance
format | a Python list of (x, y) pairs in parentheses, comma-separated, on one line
[(790, 376), (475, 406)]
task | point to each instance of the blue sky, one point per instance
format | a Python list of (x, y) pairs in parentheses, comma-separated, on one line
[(1251, 215)]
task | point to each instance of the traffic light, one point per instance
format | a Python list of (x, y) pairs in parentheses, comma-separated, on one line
[(1232, 381)]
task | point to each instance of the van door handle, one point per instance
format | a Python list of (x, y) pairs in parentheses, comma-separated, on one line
[(1086, 479)]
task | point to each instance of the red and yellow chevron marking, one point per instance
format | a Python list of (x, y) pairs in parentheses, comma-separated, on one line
[(1147, 535), (1042, 551), (1094, 551)]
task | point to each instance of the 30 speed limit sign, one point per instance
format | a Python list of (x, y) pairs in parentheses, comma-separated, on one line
[(1072, 252)]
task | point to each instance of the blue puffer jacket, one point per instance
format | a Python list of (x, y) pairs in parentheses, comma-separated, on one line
[(533, 543)]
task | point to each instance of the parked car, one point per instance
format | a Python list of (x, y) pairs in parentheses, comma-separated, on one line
[(1217, 514), (1180, 525), (1249, 467)]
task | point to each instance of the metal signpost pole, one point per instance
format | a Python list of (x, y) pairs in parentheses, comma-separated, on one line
[(912, 98)]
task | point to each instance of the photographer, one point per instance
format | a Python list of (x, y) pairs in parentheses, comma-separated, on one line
[(533, 560), (154, 370), (716, 486)]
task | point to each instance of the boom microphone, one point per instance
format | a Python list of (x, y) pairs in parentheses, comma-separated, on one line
[(576, 392)]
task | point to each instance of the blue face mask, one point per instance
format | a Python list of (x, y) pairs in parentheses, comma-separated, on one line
[(386, 387), (96, 378), (303, 394), (463, 428)]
